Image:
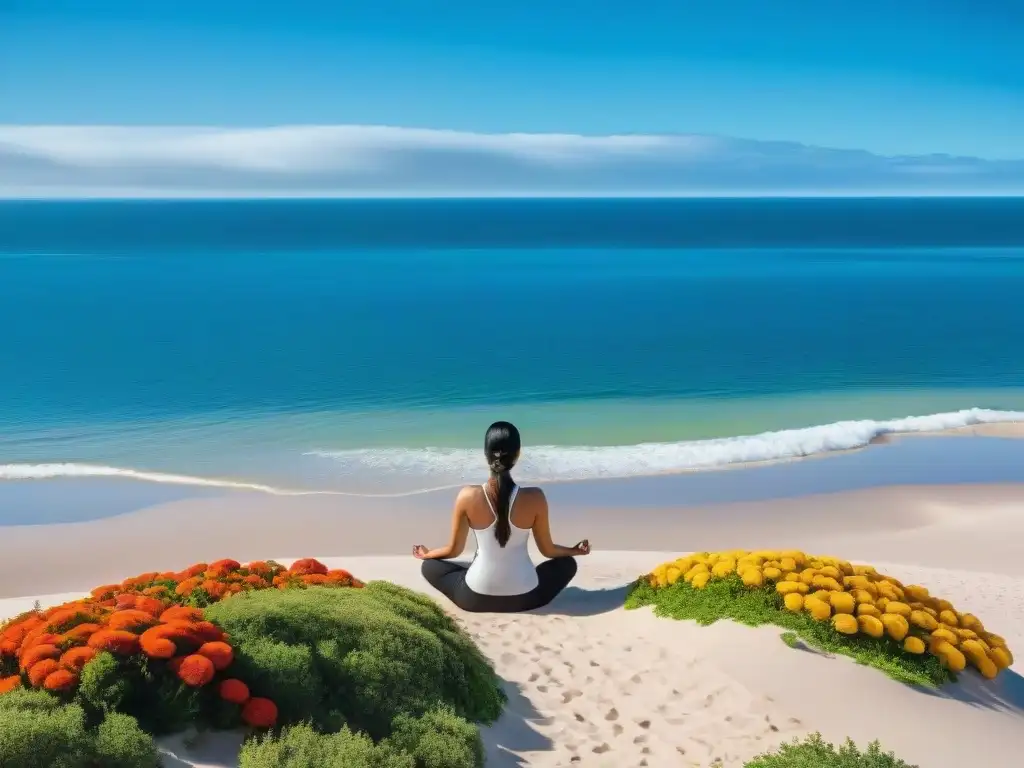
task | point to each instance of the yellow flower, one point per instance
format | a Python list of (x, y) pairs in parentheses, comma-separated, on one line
[(845, 623), (913, 645), (896, 626), (871, 626), (794, 601)]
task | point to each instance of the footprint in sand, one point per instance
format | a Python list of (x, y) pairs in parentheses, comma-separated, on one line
[(571, 694)]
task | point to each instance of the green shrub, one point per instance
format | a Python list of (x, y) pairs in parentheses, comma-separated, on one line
[(728, 598), (356, 657), (37, 730), (813, 752), (160, 702), (439, 739), (301, 746)]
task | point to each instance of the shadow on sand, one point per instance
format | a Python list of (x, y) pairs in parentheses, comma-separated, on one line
[(1005, 693), (575, 601), (515, 732)]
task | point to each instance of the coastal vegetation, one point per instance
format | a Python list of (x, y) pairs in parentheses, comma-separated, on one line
[(831, 605), (815, 752), (312, 661)]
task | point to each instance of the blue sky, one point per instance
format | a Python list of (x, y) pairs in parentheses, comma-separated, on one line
[(351, 97), (902, 77)]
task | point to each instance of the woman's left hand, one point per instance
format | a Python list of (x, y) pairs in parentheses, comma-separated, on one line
[(420, 552)]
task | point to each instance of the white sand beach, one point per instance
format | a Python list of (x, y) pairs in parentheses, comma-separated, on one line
[(594, 685)]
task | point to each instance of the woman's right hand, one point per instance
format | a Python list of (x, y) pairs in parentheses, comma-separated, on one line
[(583, 548)]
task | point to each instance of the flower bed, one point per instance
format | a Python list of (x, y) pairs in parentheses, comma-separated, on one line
[(153, 625), (832, 604), (323, 670)]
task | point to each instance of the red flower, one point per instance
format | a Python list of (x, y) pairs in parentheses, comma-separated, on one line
[(196, 670), (258, 567), (259, 713), (39, 671), (76, 658), (61, 680), (116, 641), (220, 654), (234, 691), (307, 565), (255, 581)]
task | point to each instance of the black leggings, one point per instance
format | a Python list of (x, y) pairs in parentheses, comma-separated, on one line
[(449, 579)]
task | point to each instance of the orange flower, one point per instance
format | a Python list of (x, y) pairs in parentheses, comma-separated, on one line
[(39, 653), (131, 619), (181, 613), (116, 641), (234, 691), (258, 567), (8, 647), (315, 579), (76, 658), (35, 638), (220, 654), (227, 564), (8, 684), (150, 605), (207, 631), (174, 664), (184, 589), (107, 590), (39, 671), (194, 570), (16, 632), (255, 581), (159, 589), (155, 644), (196, 670), (214, 589), (166, 576), (259, 712), (124, 601), (307, 565), (81, 632), (61, 680), (340, 574)]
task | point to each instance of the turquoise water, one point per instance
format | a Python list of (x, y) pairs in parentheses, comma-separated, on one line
[(364, 346)]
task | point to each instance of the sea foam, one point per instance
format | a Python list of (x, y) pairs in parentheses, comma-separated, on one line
[(432, 468)]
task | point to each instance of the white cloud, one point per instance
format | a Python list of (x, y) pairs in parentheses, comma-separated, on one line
[(42, 161)]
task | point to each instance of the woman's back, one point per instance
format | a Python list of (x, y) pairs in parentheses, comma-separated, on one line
[(497, 569)]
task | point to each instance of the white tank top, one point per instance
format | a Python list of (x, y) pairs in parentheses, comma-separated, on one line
[(498, 570)]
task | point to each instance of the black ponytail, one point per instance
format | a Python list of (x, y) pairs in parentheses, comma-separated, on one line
[(501, 448)]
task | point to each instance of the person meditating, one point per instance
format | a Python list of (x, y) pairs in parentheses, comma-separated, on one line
[(501, 578)]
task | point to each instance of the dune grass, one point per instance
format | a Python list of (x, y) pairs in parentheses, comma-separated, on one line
[(729, 598), (815, 752)]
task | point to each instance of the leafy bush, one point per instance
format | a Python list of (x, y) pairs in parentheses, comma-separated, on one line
[(337, 657), (814, 752), (439, 739), (832, 605), (38, 730)]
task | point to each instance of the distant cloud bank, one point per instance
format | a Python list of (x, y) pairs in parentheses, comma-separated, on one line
[(355, 160)]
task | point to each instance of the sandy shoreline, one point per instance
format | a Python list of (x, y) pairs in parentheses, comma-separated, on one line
[(591, 684)]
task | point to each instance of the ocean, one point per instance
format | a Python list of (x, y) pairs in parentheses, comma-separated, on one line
[(363, 346)]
